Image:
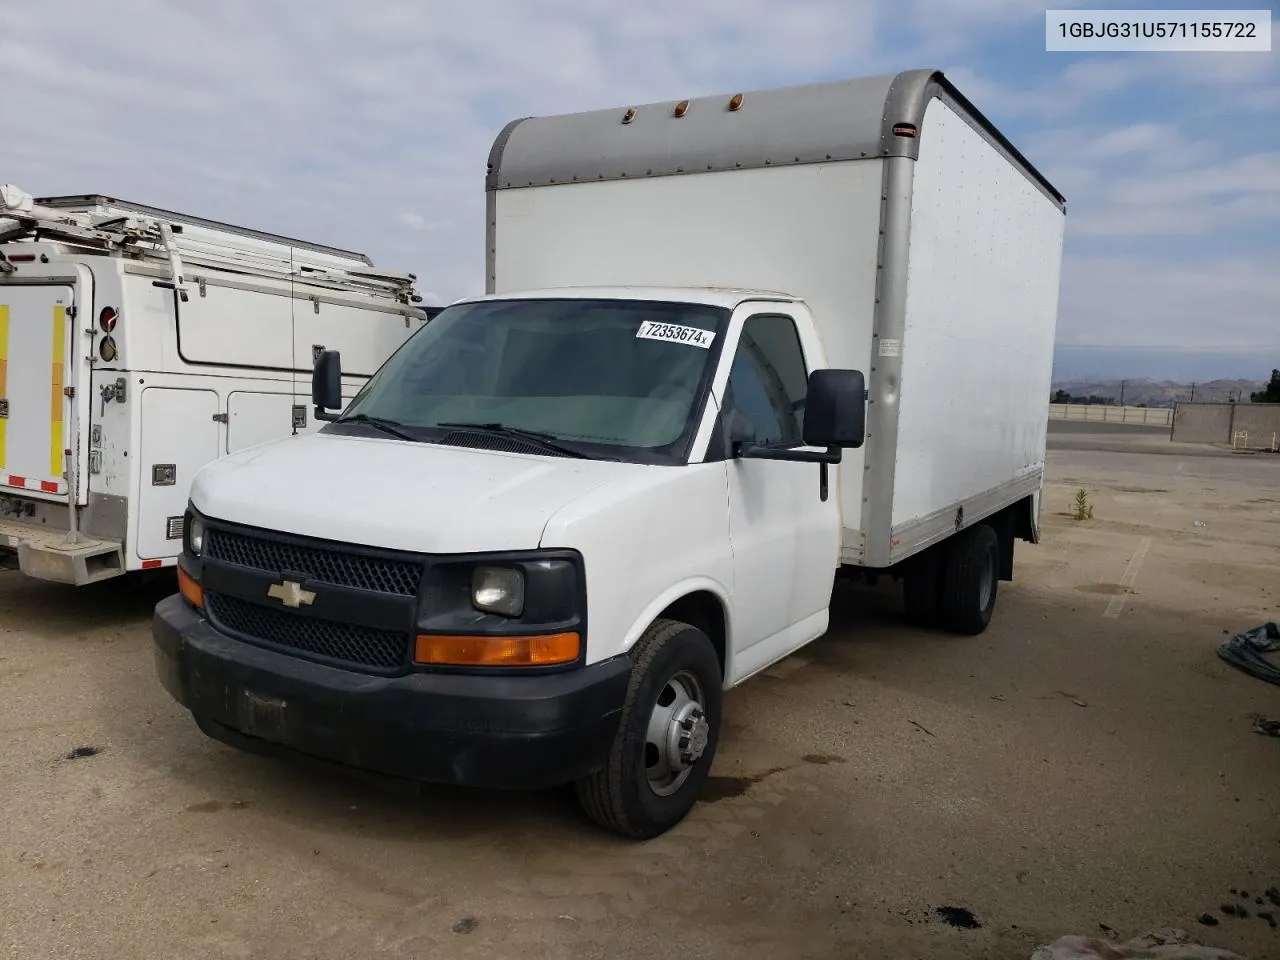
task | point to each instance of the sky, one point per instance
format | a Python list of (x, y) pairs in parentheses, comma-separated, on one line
[(368, 126)]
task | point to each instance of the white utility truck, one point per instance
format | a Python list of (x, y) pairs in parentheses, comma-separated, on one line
[(136, 345), (732, 348)]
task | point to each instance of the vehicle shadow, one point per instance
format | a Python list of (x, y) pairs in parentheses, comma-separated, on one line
[(57, 611)]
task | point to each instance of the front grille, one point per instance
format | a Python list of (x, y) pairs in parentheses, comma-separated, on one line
[(321, 564), (357, 645)]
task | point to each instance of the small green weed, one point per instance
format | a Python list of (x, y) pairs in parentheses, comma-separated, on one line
[(1084, 509)]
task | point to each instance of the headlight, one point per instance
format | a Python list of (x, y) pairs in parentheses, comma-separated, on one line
[(498, 590), (195, 536)]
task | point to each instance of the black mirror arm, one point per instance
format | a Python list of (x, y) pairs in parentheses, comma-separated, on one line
[(764, 451), (824, 458), (322, 414)]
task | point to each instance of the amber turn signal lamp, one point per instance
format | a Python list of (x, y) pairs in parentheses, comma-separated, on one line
[(539, 651), (192, 591)]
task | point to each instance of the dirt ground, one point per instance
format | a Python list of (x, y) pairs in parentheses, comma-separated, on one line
[(1088, 761)]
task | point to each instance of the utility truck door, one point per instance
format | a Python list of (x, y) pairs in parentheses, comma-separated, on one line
[(36, 337), (784, 534)]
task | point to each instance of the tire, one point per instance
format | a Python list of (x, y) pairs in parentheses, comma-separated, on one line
[(674, 668), (922, 589), (970, 579)]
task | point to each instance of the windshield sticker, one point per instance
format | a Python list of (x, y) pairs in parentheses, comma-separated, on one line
[(675, 333)]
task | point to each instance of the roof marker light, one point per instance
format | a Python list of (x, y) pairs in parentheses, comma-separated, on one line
[(681, 109), (629, 115), (735, 104)]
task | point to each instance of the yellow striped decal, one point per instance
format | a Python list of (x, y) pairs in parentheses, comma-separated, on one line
[(4, 371), (55, 426)]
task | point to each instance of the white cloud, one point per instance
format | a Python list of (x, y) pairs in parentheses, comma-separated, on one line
[(1132, 300), (369, 125), (1151, 179), (416, 221)]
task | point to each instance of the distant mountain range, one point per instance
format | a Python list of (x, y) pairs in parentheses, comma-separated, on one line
[(1157, 393), (1176, 364)]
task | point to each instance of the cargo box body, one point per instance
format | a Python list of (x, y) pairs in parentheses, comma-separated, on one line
[(927, 247)]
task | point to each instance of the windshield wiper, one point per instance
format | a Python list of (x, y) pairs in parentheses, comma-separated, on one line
[(381, 423), (546, 440)]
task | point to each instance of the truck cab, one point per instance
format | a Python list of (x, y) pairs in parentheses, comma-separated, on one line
[(576, 485)]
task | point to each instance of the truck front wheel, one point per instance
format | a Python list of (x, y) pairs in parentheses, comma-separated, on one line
[(969, 580), (667, 736)]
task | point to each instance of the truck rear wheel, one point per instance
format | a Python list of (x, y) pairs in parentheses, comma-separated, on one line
[(970, 575), (666, 739)]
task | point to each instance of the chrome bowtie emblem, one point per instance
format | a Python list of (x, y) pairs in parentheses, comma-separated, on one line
[(290, 594)]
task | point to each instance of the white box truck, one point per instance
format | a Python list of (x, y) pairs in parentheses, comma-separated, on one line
[(731, 348), (138, 344)]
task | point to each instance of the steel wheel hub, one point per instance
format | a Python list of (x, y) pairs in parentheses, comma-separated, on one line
[(677, 735)]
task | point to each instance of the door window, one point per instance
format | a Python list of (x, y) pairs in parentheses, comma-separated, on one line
[(767, 383)]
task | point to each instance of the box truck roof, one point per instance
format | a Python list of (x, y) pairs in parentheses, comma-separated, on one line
[(710, 296), (815, 123)]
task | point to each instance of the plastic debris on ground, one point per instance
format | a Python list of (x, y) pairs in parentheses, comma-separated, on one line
[(1248, 651), (1269, 728), (1164, 945)]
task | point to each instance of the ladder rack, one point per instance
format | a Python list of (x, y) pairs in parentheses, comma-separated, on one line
[(104, 225)]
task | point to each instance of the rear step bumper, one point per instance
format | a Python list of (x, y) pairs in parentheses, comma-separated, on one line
[(47, 554)]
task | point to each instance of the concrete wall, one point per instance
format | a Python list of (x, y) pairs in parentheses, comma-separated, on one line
[(1257, 426), (1252, 426), (1152, 416)]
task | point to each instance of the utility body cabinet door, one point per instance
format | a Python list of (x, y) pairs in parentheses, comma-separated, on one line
[(179, 436)]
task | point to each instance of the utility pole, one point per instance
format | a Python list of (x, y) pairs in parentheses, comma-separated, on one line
[(1193, 393), (1122, 393)]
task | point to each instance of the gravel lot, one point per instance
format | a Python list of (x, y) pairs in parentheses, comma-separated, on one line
[(1087, 761)]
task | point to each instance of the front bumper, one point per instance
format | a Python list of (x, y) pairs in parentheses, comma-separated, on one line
[(514, 732)]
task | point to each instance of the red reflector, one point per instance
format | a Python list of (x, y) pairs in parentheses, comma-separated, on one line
[(21, 257), (48, 487), (151, 564), (17, 481), (107, 319)]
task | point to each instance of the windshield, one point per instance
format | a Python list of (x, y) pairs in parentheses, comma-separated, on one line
[(614, 378)]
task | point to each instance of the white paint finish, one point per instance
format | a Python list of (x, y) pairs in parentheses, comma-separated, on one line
[(255, 417), (229, 326), (648, 535), (730, 298), (764, 655), (810, 231), (423, 497), (364, 337), (785, 539), (256, 329), (28, 431), (178, 428), (981, 314), (118, 429)]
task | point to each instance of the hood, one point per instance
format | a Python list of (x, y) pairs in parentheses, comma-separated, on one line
[(397, 494)]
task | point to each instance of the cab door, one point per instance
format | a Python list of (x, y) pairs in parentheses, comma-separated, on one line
[(785, 536)]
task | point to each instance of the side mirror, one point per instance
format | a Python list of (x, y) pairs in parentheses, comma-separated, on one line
[(835, 411), (326, 384)]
